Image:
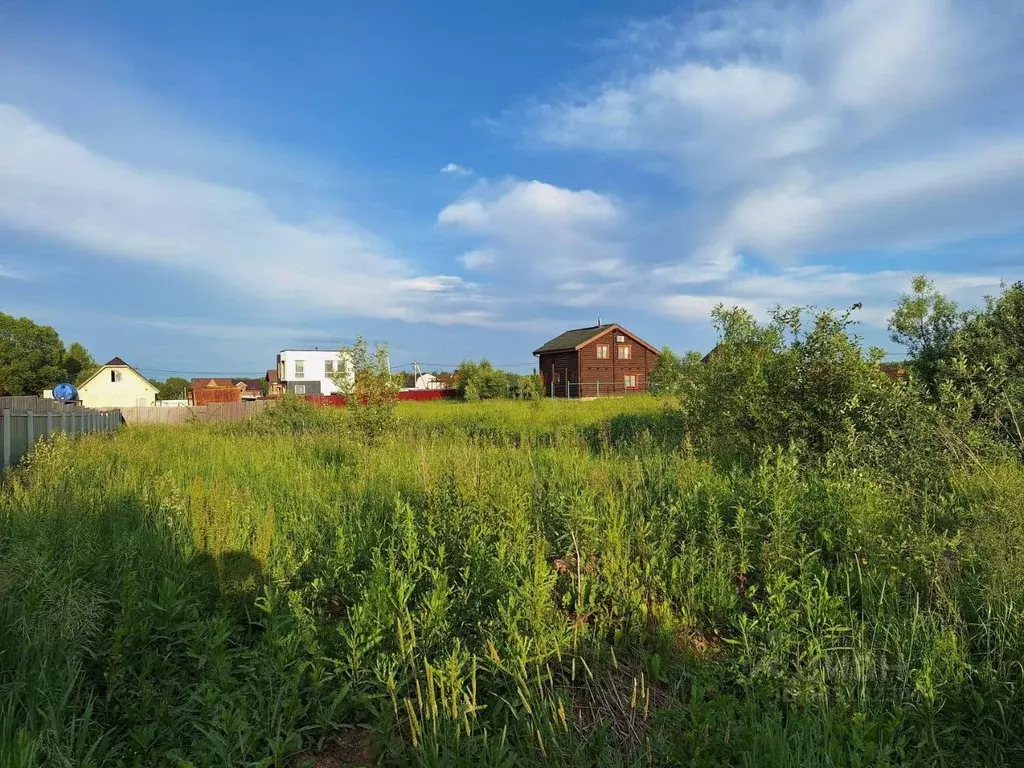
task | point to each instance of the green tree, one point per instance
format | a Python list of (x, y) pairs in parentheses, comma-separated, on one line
[(173, 389), (527, 386), (925, 322), (481, 381), (31, 356), (364, 378), (667, 375), (79, 364), (803, 379), (983, 369)]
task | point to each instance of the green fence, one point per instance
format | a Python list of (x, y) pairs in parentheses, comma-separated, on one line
[(20, 427)]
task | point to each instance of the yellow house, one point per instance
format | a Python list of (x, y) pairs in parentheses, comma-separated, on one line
[(116, 385)]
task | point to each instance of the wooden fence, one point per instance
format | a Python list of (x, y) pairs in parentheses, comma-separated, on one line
[(194, 413), (22, 403), (21, 427)]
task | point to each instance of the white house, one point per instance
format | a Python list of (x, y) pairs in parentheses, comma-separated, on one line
[(428, 381), (116, 385), (309, 371)]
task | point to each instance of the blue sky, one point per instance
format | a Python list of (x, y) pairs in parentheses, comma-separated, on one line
[(194, 186)]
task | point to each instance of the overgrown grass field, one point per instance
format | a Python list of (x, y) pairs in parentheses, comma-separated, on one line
[(502, 584)]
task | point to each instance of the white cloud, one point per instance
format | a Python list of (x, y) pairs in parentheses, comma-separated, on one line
[(534, 228), (58, 189), (667, 107), (820, 286), (971, 192), (433, 284), (9, 273), (478, 259), (799, 130), (458, 170), (696, 308), (891, 55)]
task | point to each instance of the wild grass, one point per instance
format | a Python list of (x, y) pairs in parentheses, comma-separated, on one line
[(501, 583)]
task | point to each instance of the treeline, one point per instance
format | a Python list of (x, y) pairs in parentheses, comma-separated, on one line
[(482, 381), (174, 388), (804, 380), (33, 358)]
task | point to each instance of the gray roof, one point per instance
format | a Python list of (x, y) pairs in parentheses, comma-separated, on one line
[(572, 339)]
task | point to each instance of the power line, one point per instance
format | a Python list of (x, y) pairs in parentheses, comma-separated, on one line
[(205, 373), (456, 365)]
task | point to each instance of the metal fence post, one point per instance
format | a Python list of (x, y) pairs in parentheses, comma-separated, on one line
[(30, 429), (49, 423), (7, 438), (598, 388)]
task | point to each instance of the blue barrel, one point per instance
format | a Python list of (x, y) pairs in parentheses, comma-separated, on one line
[(65, 392)]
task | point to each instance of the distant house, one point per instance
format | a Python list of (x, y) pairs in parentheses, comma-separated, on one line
[(116, 385), (309, 371), (205, 391), (211, 383), (594, 361), (427, 381), (274, 386), (251, 389), (895, 371)]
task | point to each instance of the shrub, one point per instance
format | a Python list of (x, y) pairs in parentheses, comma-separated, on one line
[(669, 372), (971, 363), (290, 415), (800, 380), (369, 388), (481, 381), (527, 387)]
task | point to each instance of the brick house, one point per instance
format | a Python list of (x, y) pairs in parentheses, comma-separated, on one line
[(599, 360)]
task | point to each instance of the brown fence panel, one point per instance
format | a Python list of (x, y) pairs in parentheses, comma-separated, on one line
[(211, 395)]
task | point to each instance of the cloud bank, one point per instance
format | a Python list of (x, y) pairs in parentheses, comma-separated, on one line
[(794, 134), (57, 189)]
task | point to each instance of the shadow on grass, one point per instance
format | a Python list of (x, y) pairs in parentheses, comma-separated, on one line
[(230, 580), (664, 429)]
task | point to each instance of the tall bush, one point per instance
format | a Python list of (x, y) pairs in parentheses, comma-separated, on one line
[(984, 367), (971, 363), (803, 379), (481, 381), (364, 378)]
